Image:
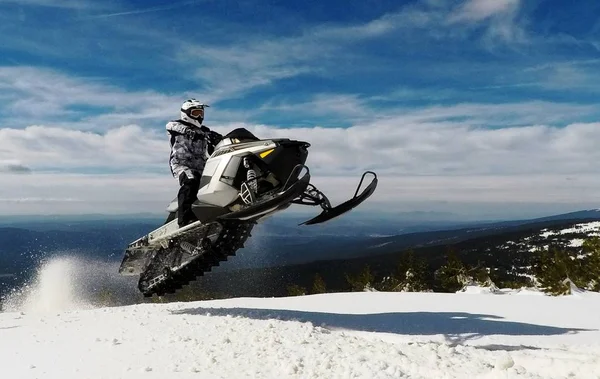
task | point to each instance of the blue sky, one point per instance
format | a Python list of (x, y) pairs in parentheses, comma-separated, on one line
[(476, 106)]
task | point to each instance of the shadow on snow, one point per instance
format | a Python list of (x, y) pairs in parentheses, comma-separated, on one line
[(461, 325)]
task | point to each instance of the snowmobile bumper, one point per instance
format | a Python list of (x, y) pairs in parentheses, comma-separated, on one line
[(333, 212)]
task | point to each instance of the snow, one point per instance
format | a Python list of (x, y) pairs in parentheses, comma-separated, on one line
[(380, 245), (367, 335), (547, 234), (583, 228), (57, 333), (576, 242), (590, 228)]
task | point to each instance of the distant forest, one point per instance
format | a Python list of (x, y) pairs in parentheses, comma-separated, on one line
[(493, 262)]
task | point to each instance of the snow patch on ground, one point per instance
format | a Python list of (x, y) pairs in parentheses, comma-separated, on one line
[(582, 228), (341, 335), (576, 242), (590, 228)]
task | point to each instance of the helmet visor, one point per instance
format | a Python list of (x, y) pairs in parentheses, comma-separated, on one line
[(197, 112)]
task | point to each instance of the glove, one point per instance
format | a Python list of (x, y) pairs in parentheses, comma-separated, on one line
[(214, 137), (189, 173)]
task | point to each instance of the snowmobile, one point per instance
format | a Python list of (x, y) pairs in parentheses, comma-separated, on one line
[(245, 180)]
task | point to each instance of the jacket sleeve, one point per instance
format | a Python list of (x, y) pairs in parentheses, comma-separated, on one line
[(176, 127), (212, 139)]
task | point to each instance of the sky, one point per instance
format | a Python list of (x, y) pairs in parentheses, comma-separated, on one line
[(478, 107)]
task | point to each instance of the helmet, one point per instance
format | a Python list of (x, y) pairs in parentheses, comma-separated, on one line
[(193, 111)]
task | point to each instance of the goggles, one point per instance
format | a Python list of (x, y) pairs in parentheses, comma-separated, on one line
[(197, 112)]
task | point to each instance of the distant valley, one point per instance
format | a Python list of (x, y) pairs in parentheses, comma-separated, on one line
[(278, 245)]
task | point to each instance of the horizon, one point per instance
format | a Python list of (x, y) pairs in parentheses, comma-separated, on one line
[(483, 108), (355, 215)]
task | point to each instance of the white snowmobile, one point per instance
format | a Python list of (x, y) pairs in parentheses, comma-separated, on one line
[(244, 181)]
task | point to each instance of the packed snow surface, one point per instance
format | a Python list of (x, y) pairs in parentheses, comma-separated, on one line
[(471, 334)]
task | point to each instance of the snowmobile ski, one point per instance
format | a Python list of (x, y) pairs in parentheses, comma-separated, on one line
[(316, 197)]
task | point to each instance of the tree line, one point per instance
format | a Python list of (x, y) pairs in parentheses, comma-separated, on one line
[(551, 270)]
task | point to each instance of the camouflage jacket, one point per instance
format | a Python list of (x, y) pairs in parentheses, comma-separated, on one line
[(190, 146)]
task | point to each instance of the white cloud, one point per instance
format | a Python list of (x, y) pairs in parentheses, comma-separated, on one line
[(478, 10), (395, 147), (57, 193), (501, 17), (421, 165), (34, 96), (438, 140), (569, 75), (128, 148), (244, 62), (251, 61)]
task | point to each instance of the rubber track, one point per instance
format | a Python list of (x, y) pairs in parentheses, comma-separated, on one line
[(232, 238)]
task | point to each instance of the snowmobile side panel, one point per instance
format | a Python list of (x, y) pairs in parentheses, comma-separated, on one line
[(206, 212), (331, 213), (285, 157), (282, 199)]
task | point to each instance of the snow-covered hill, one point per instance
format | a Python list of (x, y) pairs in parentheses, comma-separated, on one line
[(344, 335), (572, 236)]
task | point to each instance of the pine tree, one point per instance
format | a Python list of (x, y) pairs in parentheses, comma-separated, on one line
[(296, 290), (591, 248), (552, 269), (319, 285), (411, 273), (389, 283), (363, 281), (453, 275)]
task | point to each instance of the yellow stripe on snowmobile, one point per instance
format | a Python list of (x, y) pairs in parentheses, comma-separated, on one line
[(265, 153)]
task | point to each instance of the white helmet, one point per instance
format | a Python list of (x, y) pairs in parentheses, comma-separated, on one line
[(193, 111)]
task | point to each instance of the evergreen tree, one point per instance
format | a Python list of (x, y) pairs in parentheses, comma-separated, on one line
[(296, 290), (591, 248), (319, 285), (412, 273), (453, 275), (363, 281), (389, 283), (553, 267)]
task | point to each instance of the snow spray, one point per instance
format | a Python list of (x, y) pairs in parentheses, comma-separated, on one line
[(65, 283)]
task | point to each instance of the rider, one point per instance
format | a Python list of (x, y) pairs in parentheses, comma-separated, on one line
[(191, 145)]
